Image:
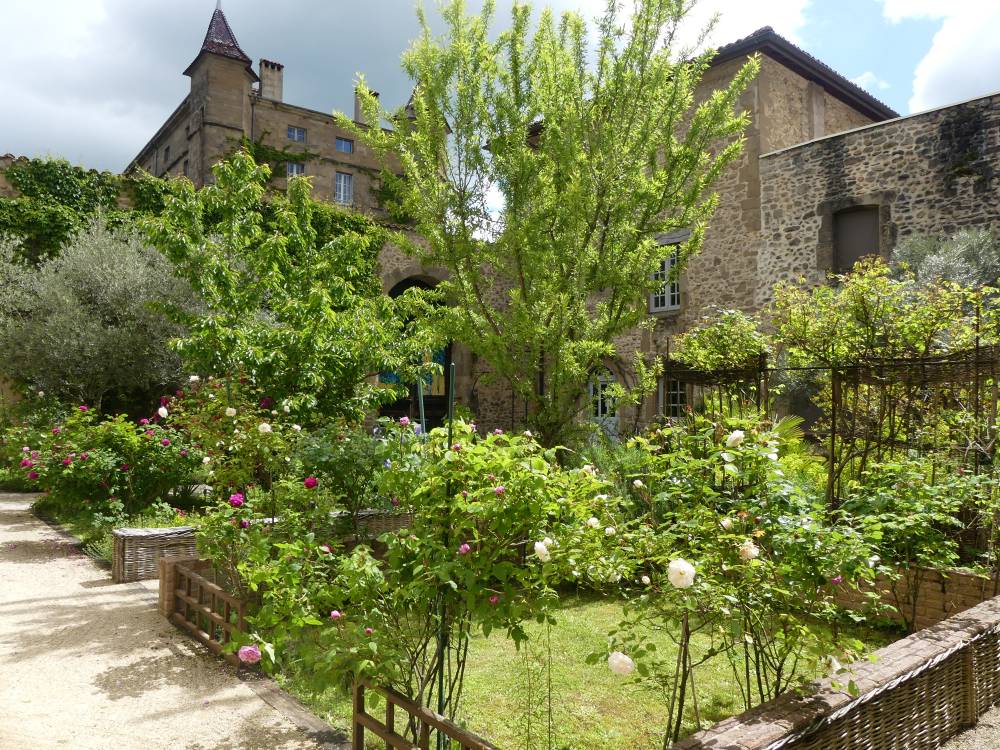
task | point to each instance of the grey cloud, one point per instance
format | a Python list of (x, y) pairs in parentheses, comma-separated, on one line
[(98, 101)]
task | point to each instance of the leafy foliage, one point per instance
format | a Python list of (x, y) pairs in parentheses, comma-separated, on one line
[(588, 162), (722, 340), (300, 313), (84, 326)]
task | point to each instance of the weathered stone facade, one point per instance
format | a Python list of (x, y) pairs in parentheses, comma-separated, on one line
[(928, 174)]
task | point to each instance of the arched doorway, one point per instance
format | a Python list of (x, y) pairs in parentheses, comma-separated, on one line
[(435, 386)]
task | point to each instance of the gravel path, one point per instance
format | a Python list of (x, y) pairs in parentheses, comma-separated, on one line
[(986, 734), (88, 665)]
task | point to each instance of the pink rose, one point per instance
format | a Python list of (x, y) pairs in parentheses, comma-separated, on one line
[(404, 421), (249, 654), (336, 615), (236, 500), (495, 599), (144, 421), (369, 631), (165, 442), (456, 447), (32, 475), (67, 461), (26, 463), (84, 408), (464, 549), (310, 483), (56, 430), (244, 524), (499, 490)]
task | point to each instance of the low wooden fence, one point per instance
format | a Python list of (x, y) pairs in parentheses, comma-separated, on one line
[(192, 601), (419, 716), (199, 605)]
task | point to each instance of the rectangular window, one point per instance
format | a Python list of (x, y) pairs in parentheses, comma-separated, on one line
[(296, 133), (855, 235), (673, 398), (344, 188), (185, 167), (667, 295), (295, 169), (345, 145)]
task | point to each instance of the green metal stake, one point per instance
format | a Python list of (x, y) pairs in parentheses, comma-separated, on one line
[(442, 644)]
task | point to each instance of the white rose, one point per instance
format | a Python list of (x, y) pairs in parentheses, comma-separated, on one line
[(645, 580), (735, 439), (211, 397), (609, 531), (680, 573), (274, 412), (206, 460), (527, 434), (542, 552), (41, 393), (593, 522), (162, 411), (263, 428), (286, 408), (194, 379), (726, 523), (601, 498), (749, 550), (620, 664), (296, 427), (637, 484), (230, 411)]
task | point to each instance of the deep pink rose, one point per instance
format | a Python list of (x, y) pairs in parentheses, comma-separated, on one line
[(32, 475), (144, 421), (495, 599), (165, 442), (244, 524), (84, 456), (67, 461), (26, 463), (310, 483), (456, 447), (236, 499), (249, 654), (56, 430), (395, 502), (84, 408), (837, 580), (369, 631), (184, 454)]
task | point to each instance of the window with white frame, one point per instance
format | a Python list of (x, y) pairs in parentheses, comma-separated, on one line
[(672, 397), (667, 293), (345, 145), (296, 134), (344, 188), (295, 169), (603, 410)]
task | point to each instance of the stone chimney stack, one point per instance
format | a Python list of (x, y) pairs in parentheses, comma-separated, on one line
[(359, 116), (271, 80)]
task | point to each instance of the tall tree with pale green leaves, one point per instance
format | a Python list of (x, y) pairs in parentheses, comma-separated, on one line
[(539, 164)]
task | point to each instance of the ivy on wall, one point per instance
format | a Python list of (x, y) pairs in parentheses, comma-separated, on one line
[(56, 199)]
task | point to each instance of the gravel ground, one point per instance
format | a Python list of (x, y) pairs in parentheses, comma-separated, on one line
[(87, 664), (984, 736)]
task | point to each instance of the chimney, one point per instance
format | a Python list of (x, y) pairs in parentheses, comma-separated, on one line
[(271, 79), (359, 116)]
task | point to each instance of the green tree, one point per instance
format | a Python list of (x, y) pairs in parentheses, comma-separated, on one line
[(292, 293), (538, 168), (83, 326)]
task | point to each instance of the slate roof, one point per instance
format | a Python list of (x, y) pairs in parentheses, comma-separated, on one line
[(220, 40), (767, 41)]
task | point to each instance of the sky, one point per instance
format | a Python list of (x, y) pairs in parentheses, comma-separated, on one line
[(92, 80)]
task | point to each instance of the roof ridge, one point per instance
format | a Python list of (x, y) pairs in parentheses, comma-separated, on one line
[(767, 35)]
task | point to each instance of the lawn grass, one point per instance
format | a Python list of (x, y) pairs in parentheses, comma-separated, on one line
[(505, 692)]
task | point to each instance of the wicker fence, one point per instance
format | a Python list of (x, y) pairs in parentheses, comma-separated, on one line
[(920, 692), (137, 552), (194, 602), (422, 719)]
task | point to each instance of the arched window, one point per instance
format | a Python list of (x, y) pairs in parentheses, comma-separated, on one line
[(603, 410)]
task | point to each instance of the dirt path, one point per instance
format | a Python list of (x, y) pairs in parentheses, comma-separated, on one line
[(87, 664)]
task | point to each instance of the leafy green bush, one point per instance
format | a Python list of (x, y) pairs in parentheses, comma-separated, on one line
[(83, 327), (108, 470)]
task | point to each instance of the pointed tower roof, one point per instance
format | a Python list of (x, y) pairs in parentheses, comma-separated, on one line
[(220, 40)]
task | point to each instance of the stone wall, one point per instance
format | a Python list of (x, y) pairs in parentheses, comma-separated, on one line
[(939, 595), (929, 174)]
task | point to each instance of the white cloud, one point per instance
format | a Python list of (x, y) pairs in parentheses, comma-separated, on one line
[(870, 82), (964, 59)]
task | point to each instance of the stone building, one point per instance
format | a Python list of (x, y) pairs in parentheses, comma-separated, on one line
[(230, 101), (828, 173)]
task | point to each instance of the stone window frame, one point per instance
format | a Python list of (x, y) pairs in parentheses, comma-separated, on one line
[(671, 289), (828, 209)]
